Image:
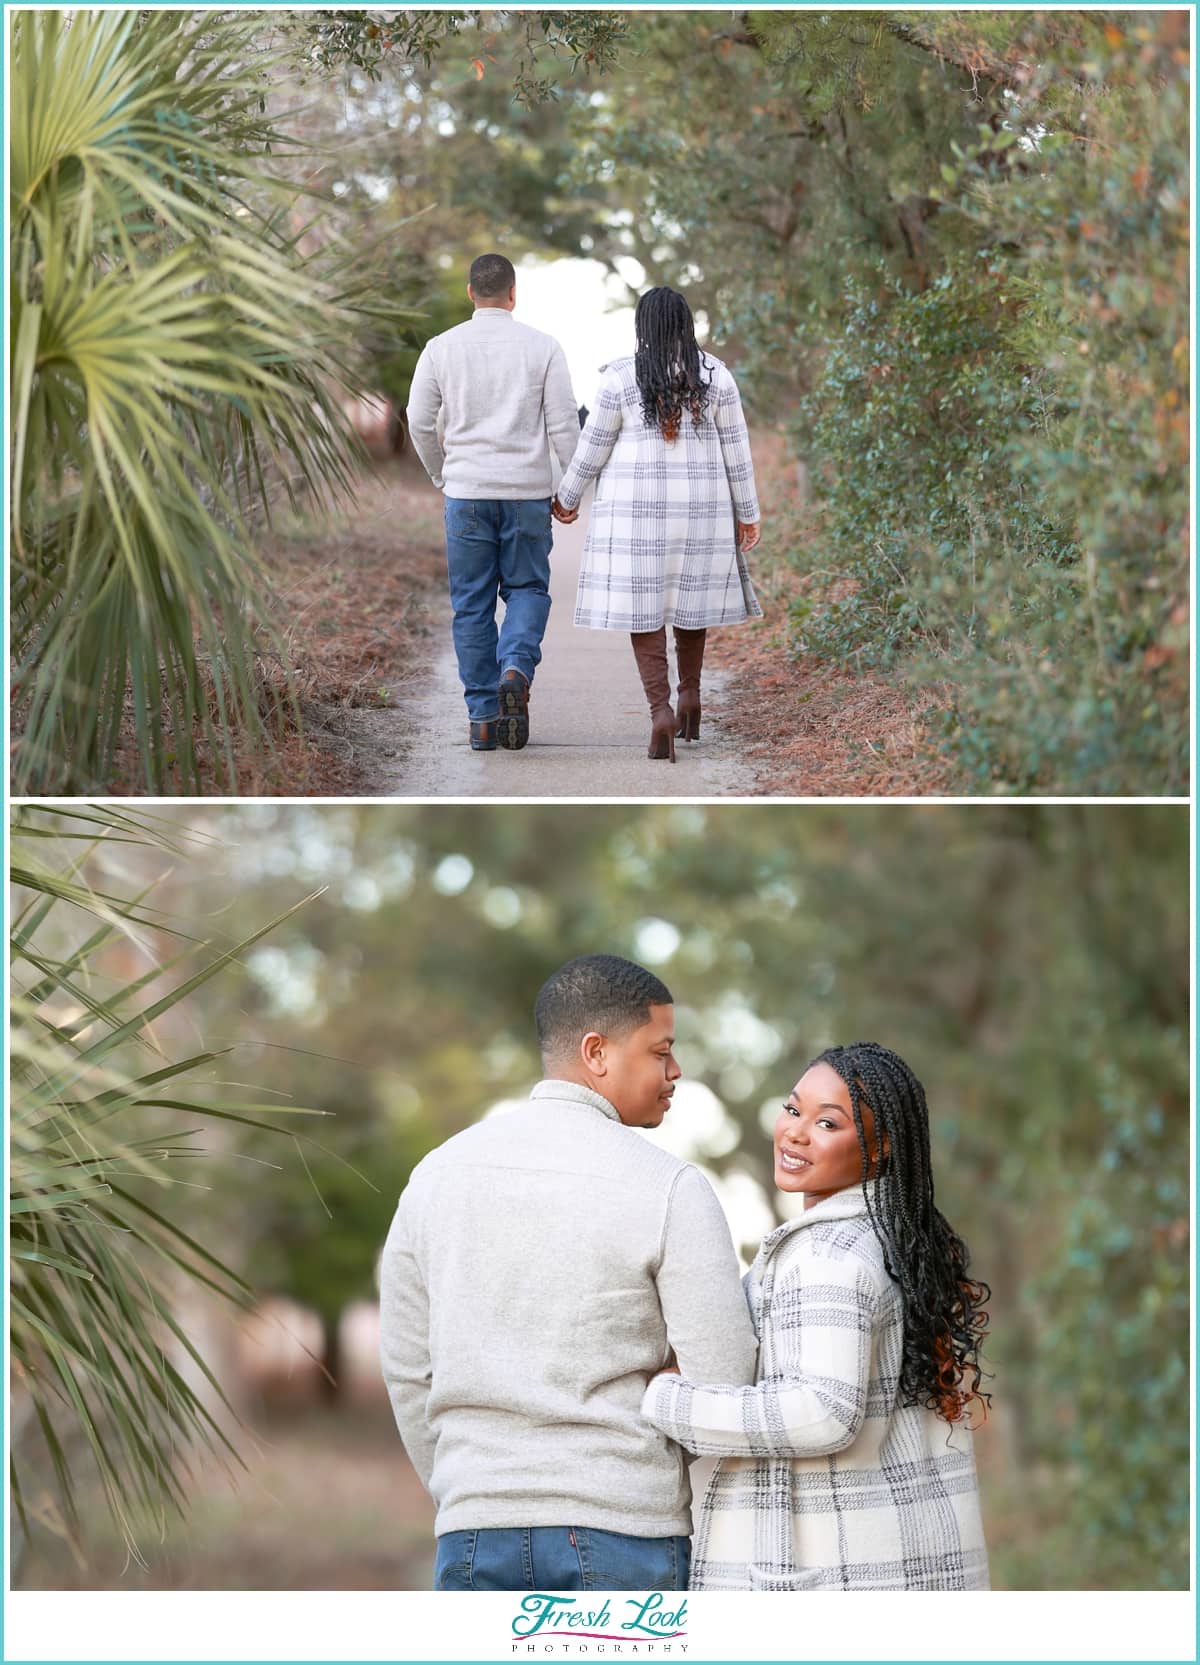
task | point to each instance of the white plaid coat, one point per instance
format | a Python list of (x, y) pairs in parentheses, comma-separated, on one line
[(661, 543), (826, 1482)]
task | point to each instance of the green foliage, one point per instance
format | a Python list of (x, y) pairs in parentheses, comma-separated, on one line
[(904, 419), (172, 355), (373, 41), (351, 40), (105, 1373), (440, 299), (1005, 444), (319, 1225), (1115, 1349)]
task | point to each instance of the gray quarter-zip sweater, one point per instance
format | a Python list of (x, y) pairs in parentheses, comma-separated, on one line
[(539, 1268), (503, 394)]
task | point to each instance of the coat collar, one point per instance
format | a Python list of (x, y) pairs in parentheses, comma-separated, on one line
[(576, 1094), (843, 1205)]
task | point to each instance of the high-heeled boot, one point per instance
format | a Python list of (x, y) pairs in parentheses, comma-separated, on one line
[(650, 652), (689, 655)]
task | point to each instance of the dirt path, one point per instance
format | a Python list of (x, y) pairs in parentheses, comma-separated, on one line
[(369, 623), (589, 723), (361, 600)]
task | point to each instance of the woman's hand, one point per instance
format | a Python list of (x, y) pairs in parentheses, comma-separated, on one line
[(748, 533), (565, 515)]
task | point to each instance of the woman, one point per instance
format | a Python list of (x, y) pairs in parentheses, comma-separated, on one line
[(849, 1466), (675, 508)]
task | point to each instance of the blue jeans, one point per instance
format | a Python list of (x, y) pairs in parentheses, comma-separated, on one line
[(559, 1558), (497, 548)]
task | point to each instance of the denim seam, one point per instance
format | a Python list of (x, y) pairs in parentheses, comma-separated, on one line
[(582, 1548), (527, 1556)]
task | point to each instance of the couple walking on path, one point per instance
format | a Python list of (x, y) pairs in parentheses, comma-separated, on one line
[(561, 1322), (674, 515)]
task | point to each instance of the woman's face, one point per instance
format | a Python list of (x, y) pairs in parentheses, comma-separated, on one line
[(816, 1146)]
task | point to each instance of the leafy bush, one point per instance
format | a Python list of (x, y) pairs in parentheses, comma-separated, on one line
[(1005, 448), (912, 418)]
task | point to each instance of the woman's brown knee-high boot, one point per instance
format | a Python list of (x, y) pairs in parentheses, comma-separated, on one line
[(689, 653), (650, 651)]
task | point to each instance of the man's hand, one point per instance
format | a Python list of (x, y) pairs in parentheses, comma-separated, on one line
[(565, 515), (748, 533)]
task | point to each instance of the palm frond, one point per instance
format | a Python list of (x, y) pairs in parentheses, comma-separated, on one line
[(97, 1268), (172, 352)]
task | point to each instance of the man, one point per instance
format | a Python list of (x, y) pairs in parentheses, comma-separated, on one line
[(504, 397), (541, 1266)]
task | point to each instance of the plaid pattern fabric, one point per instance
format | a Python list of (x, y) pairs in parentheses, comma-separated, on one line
[(826, 1483), (661, 544)]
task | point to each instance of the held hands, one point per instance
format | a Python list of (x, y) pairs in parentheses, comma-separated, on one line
[(748, 533), (565, 515)]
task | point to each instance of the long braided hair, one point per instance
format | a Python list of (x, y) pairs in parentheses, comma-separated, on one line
[(667, 362), (944, 1310)]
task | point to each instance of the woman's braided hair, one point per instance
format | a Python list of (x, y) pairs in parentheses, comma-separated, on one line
[(944, 1310), (667, 362)]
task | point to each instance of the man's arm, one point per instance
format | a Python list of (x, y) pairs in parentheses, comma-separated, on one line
[(562, 412), (424, 403), (700, 1287), (404, 1343)]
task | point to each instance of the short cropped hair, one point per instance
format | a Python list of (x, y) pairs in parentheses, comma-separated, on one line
[(599, 993), (492, 275)]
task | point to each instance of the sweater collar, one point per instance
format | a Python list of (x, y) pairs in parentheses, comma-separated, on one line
[(577, 1094), (843, 1205)]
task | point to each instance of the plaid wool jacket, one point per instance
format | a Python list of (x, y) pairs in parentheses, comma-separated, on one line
[(661, 543), (825, 1481)]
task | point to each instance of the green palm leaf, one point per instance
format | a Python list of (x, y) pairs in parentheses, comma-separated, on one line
[(97, 1344), (172, 355)]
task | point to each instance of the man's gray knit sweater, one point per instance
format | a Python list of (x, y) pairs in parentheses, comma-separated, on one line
[(503, 393), (539, 1269)]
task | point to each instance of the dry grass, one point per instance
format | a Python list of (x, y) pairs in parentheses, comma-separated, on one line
[(815, 729), (355, 599)]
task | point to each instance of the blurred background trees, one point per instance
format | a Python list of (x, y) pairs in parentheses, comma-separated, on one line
[(1031, 963)]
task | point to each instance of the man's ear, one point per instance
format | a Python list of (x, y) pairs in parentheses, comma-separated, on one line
[(470, 294), (592, 1050)]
